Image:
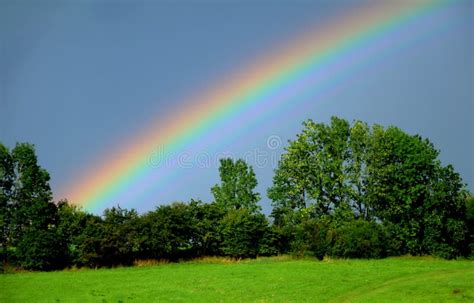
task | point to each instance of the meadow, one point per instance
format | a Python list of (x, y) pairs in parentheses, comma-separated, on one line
[(277, 279)]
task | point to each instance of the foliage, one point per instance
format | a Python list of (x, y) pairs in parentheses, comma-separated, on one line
[(358, 239), (312, 170), (40, 249), (168, 232), (86, 247), (347, 171), (71, 224), (341, 189), (238, 182), (311, 237), (27, 211), (407, 186), (120, 237), (242, 233), (470, 223), (206, 219)]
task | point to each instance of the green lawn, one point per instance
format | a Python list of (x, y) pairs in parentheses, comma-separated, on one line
[(262, 280)]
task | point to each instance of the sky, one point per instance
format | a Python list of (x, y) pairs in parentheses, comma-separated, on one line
[(78, 79)]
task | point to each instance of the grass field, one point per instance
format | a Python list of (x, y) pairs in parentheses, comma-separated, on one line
[(261, 280)]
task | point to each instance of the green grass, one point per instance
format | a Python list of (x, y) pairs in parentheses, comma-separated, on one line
[(262, 280)]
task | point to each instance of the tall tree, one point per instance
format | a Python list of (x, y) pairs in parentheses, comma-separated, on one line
[(31, 213), (400, 167), (237, 187), (312, 171), (32, 197)]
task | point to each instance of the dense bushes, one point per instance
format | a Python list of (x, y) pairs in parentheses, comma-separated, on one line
[(342, 190), (176, 231), (358, 239), (351, 239), (242, 234), (40, 249)]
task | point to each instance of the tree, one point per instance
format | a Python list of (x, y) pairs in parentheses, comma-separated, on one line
[(344, 171), (31, 201), (312, 171), (238, 182), (407, 186), (28, 212)]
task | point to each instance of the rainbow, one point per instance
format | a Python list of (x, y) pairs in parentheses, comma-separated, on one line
[(282, 76)]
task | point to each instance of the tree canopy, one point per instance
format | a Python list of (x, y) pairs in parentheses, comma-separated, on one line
[(237, 187)]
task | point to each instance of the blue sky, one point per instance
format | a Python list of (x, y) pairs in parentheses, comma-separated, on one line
[(76, 77)]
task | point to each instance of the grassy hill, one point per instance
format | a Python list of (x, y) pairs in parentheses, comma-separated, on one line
[(277, 279)]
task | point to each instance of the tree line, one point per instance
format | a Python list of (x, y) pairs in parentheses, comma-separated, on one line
[(340, 189)]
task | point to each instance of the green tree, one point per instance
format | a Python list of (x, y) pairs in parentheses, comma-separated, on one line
[(312, 171), (32, 203), (407, 186), (237, 187), (29, 215)]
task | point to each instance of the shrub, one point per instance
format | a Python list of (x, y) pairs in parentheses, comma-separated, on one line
[(358, 239), (311, 237), (394, 245), (242, 232), (39, 250)]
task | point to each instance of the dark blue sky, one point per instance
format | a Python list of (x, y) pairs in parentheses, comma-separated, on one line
[(76, 77)]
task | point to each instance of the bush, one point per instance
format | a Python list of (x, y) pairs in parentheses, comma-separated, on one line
[(394, 244), (311, 238), (242, 232), (268, 244), (39, 250), (358, 239)]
